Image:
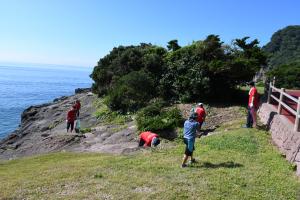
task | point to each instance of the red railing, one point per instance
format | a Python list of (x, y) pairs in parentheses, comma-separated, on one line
[(281, 104)]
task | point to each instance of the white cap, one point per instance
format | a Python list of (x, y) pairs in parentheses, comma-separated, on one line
[(199, 104)]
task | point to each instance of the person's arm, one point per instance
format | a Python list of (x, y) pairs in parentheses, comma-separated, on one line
[(253, 92), (68, 116), (251, 103)]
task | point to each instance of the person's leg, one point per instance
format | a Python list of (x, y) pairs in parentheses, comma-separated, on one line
[(249, 118), (187, 153), (191, 147), (68, 126), (200, 125), (72, 126), (254, 117), (184, 160)]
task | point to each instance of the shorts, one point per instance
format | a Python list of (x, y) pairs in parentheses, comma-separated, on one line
[(190, 147)]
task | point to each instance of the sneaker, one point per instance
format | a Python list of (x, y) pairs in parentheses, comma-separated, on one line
[(183, 165), (193, 160)]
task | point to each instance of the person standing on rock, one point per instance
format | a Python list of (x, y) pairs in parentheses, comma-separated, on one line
[(71, 116), (149, 139), (201, 114), (252, 106), (191, 126), (77, 107)]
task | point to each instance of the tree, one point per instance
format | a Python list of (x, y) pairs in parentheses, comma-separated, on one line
[(173, 45), (122, 61)]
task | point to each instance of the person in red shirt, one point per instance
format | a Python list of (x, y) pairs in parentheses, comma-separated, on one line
[(149, 139), (77, 107), (201, 114), (252, 106), (71, 116)]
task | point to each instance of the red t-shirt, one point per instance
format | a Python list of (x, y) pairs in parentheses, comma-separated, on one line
[(201, 114), (71, 115), (253, 93), (147, 137)]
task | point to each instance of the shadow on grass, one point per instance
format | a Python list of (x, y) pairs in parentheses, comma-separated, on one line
[(228, 164), (205, 132)]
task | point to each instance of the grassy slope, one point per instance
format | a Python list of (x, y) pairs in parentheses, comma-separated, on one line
[(236, 164)]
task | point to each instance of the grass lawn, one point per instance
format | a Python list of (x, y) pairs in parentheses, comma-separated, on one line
[(235, 164)]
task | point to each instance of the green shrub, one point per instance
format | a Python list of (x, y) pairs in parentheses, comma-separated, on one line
[(260, 84), (157, 118), (131, 92), (105, 115), (85, 130)]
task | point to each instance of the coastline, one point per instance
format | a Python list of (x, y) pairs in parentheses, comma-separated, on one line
[(43, 130), (40, 121)]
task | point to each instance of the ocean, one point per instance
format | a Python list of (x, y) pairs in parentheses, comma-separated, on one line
[(22, 86)]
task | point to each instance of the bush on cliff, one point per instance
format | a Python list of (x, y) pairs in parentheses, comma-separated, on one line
[(131, 92), (157, 118)]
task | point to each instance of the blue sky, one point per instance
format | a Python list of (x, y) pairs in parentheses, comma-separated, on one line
[(80, 32)]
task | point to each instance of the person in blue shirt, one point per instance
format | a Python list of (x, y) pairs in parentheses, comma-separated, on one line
[(191, 126)]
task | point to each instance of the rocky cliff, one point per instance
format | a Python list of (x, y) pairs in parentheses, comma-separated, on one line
[(43, 130)]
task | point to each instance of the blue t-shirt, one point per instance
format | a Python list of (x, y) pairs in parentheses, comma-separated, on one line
[(190, 128)]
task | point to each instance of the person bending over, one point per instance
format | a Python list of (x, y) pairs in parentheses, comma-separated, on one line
[(149, 139)]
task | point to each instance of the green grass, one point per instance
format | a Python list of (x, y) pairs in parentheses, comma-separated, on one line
[(236, 164), (106, 116), (260, 89)]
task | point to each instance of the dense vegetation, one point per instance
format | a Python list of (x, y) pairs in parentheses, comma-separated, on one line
[(284, 46), (156, 118), (133, 75), (287, 76)]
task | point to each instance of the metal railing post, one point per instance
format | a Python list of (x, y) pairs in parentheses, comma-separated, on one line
[(269, 93), (274, 80), (297, 121), (282, 90)]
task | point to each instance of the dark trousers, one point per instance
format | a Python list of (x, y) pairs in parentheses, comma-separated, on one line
[(249, 118), (70, 124)]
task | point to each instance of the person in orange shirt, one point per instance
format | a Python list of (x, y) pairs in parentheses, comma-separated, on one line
[(149, 139), (201, 114), (252, 106)]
